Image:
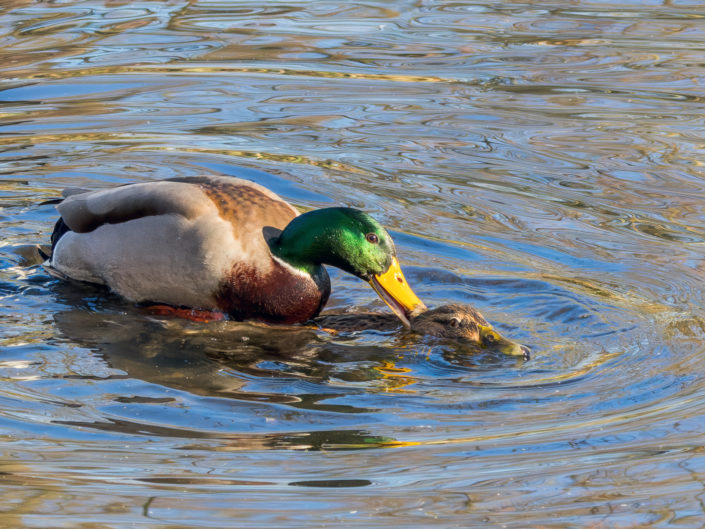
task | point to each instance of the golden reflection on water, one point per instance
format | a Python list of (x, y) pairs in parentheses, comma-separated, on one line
[(396, 378)]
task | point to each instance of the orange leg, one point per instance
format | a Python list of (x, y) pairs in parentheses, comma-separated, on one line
[(186, 313)]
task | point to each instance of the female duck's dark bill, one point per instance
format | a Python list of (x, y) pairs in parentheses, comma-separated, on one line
[(392, 287)]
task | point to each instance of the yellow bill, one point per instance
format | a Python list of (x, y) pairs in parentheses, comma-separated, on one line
[(392, 287), (491, 338)]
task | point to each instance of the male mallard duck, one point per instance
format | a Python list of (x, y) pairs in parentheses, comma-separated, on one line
[(222, 243), (454, 322)]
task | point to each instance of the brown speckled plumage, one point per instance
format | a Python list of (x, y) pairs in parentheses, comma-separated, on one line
[(241, 203), (455, 322), (433, 322)]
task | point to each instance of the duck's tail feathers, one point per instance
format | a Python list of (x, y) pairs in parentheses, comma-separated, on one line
[(60, 228), (42, 251), (53, 272)]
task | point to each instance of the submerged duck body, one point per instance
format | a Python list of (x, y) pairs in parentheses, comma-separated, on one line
[(455, 322), (221, 243)]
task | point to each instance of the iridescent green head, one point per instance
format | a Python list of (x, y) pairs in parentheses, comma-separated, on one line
[(353, 241)]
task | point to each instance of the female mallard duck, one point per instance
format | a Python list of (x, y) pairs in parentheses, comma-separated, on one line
[(455, 322), (222, 243)]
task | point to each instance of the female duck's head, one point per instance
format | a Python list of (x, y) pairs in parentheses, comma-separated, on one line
[(353, 241)]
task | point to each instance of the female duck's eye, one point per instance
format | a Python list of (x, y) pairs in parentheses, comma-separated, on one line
[(372, 238), (454, 322), (490, 338)]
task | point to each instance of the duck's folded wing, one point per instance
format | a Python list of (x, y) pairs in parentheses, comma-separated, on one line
[(84, 212), (159, 241)]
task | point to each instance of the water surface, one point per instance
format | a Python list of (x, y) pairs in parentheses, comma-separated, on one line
[(542, 161)]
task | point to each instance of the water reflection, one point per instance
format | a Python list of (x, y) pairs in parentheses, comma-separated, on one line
[(540, 162), (230, 359)]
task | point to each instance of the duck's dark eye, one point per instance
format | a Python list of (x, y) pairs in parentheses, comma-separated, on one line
[(372, 238), (454, 322), (490, 338)]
